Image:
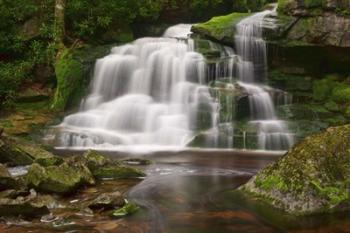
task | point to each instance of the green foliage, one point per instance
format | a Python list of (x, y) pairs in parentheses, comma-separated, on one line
[(341, 94), (127, 209), (322, 89), (11, 76)]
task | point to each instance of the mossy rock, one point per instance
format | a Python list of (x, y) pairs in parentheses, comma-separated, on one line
[(58, 179), (19, 152), (221, 28), (73, 71), (31, 205), (313, 177), (116, 172), (12, 154), (94, 159)]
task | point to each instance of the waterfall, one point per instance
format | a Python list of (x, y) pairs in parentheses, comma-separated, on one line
[(146, 93), (157, 93), (273, 134)]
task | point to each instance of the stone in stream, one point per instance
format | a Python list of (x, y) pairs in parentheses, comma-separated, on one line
[(104, 168), (30, 205), (313, 177), (58, 179), (107, 201)]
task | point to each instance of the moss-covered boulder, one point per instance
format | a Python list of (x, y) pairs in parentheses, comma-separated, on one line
[(18, 152), (313, 177), (58, 179), (102, 167), (221, 28)]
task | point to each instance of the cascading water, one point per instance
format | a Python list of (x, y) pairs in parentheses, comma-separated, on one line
[(273, 134), (157, 93), (143, 94)]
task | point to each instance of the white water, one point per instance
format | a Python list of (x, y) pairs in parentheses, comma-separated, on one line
[(273, 133), (148, 95), (143, 94)]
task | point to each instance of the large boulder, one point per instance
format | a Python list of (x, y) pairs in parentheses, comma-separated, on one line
[(313, 177), (104, 168), (18, 152), (58, 179)]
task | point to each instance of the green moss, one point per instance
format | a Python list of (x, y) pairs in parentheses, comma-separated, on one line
[(271, 182), (221, 28), (335, 194), (69, 75), (117, 172), (322, 89), (312, 177), (341, 94), (315, 3), (332, 106), (347, 112)]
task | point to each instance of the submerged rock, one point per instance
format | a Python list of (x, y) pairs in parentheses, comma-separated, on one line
[(58, 179), (313, 177), (113, 172)]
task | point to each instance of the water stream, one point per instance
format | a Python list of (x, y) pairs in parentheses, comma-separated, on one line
[(155, 94)]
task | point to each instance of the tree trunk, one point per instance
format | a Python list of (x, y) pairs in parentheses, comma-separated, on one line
[(59, 26)]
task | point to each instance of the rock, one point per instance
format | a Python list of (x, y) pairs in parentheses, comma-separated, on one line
[(30, 206), (58, 179), (11, 153), (18, 152), (6, 181), (94, 159), (221, 28), (114, 172), (313, 177), (107, 201), (127, 209)]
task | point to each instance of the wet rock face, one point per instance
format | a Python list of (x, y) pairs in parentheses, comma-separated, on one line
[(313, 177)]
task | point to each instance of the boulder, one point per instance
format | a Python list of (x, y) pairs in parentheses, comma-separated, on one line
[(313, 177), (102, 167), (58, 179), (18, 152)]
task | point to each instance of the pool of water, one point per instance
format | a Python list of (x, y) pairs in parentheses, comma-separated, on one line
[(191, 192)]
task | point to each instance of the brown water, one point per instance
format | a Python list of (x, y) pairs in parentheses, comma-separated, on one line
[(188, 192)]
